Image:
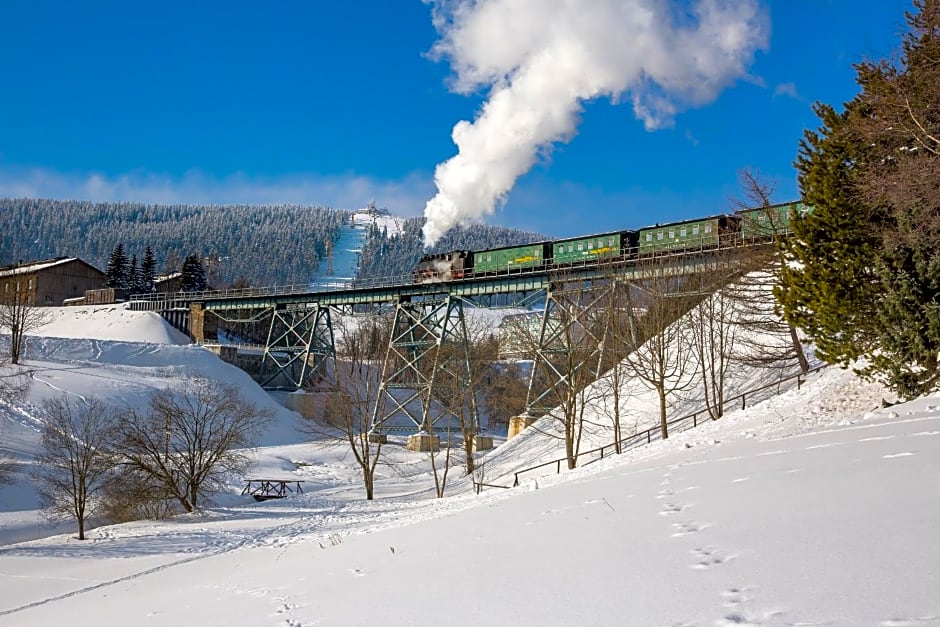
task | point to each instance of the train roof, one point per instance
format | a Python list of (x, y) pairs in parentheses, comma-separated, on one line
[(689, 221), (595, 235)]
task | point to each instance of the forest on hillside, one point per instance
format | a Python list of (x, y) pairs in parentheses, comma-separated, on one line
[(260, 245), (238, 244)]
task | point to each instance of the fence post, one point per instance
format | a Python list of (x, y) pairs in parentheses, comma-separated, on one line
[(799, 381), (694, 420), (558, 469), (743, 402), (649, 439)]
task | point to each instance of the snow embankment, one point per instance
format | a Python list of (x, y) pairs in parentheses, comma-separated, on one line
[(109, 322)]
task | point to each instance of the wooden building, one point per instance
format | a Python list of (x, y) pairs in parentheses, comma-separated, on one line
[(50, 282)]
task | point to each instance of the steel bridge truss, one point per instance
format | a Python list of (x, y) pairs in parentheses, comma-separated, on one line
[(572, 341), (299, 348), (426, 375)]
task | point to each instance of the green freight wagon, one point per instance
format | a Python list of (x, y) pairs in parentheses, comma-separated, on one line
[(688, 235), (765, 222), (510, 258), (593, 247)]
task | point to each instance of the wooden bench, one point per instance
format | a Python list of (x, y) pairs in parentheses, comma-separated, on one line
[(264, 489)]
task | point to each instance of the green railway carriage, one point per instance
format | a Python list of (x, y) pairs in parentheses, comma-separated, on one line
[(511, 258), (594, 247), (765, 222), (688, 235)]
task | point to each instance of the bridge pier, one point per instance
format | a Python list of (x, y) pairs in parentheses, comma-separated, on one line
[(427, 368), (570, 345), (202, 328), (299, 349)]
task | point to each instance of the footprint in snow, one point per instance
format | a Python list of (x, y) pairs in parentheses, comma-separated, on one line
[(685, 528), (733, 597), (671, 508), (357, 572), (708, 557)]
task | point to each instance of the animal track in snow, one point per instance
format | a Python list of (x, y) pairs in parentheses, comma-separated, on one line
[(708, 557), (733, 597), (685, 528), (671, 508)]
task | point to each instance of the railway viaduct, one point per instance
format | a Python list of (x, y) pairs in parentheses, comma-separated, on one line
[(429, 341)]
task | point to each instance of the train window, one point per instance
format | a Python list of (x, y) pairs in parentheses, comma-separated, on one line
[(672, 234), (683, 232), (610, 241), (649, 237), (580, 246), (694, 229), (489, 257), (708, 228), (659, 235)]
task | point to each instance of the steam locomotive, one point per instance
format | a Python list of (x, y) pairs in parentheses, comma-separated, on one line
[(699, 234)]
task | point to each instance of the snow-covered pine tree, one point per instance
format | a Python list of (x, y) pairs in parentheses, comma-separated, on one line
[(194, 275), (117, 268)]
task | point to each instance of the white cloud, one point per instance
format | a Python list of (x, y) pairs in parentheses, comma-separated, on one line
[(404, 197), (787, 89), (541, 59)]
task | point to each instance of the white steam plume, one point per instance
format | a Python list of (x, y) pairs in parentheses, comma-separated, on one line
[(541, 58)]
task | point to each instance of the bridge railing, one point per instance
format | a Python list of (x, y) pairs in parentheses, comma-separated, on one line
[(677, 425)]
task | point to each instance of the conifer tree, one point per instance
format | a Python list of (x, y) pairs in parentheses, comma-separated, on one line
[(133, 276), (194, 275), (828, 284), (117, 268), (148, 270), (862, 271)]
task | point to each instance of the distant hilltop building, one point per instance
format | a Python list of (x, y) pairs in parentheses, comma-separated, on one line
[(50, 282)]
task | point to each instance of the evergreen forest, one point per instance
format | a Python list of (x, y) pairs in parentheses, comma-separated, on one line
[(257, 245)]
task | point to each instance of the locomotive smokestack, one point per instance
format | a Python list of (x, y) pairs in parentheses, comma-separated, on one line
[(540, 59)]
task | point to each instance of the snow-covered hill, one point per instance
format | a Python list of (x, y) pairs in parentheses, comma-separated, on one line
[(815, 507)]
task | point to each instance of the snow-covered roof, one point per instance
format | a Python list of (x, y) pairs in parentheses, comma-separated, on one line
[(35, 266)]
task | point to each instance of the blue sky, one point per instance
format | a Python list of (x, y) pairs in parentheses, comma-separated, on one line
[(339, 102)]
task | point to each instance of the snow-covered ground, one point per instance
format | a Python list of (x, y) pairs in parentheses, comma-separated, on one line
[(814, 507)]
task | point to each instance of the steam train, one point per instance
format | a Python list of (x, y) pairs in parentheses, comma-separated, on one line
[(699, 234)]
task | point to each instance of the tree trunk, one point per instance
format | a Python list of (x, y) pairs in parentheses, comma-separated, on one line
[(798, 349), (664, 427)]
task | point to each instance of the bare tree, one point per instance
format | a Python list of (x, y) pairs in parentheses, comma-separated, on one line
[(74, 461), (351, 396), (191, 439), (663, 362), (754, 294), (713, 330), (568, 345), (18, 315)]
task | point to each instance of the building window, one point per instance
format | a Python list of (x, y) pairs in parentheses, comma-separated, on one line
[(683, 232), (672, 234), (708, 228), (694, 229), (649, 237), (659, 235)]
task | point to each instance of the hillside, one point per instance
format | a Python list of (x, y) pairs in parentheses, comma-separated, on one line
[(812, 507), (260, 244)]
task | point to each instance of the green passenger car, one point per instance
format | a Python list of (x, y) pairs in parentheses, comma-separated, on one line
[(509, 259), (588, 248), (688, 235), (765, 222)]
